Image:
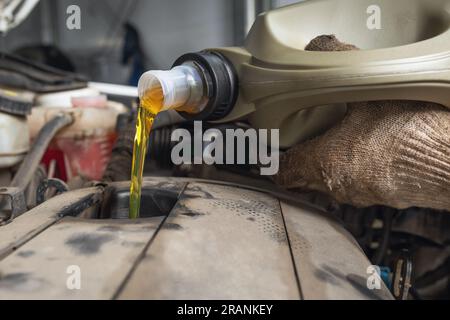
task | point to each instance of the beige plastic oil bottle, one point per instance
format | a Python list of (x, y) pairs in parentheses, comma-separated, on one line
[(274, 83)]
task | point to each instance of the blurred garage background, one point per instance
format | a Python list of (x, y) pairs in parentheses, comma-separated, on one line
[(157, 32)]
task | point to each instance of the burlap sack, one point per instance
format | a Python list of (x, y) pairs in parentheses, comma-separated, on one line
[(393, 153)]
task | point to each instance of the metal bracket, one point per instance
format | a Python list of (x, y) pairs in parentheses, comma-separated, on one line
[(17, 200), (59, 185), (402, 276)]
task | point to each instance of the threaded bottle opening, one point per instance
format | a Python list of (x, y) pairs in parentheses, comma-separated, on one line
[(182, 86)]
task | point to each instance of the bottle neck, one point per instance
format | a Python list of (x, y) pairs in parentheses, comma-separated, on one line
[(182, 87), (200, 86)]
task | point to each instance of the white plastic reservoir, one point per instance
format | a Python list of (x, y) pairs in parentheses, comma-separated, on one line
[(14, 141)]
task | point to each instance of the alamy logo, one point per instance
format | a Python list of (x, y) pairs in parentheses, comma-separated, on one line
[(73, 21), (374, 278), (73, 281), (237, 146), (374, 19)]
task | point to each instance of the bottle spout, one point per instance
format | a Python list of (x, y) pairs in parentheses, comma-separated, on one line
[(200, 86), (182, 88)]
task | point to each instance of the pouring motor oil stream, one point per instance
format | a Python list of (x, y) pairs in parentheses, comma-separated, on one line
[(150, 104)]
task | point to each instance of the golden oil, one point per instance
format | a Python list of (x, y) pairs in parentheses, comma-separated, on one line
[(150, 104)]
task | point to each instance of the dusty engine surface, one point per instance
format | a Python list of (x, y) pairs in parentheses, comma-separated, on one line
[(225, 150), (195, 240)]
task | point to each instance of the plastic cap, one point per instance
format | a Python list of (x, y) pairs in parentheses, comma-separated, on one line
[(176, 85)]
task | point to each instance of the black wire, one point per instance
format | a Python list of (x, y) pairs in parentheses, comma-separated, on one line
[(379, 255)]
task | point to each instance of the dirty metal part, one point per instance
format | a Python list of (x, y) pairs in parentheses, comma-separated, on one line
[(232, 235), (33, 158), (218, 241), (104, 250), (27, 226), (59, 186), (76, 208), (31, 162), (402, 276), (329, 262), (17, 202)]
